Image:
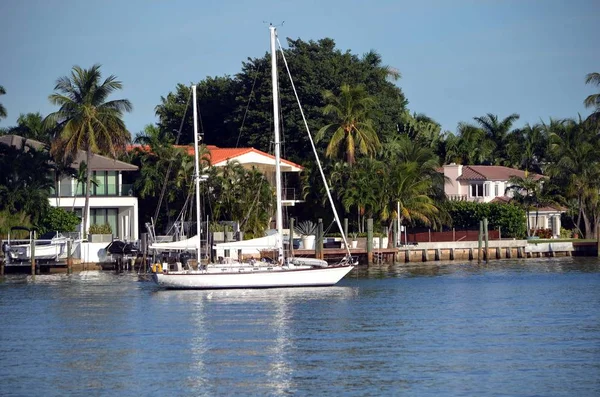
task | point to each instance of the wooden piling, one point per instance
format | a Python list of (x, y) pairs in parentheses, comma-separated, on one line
[(487, 242), (370, 241), (319, 245), (479, 237), (451, 254), (69, 257), (346, 228), (291, 237), (32, 252)]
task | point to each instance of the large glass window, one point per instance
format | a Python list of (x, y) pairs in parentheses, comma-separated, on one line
[(111, 183), (102, 216)]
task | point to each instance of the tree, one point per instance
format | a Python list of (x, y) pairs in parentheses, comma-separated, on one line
[(497, 131), (25, 180), (527, 192), (31, 126), (575, 165), (593, 100), (2, 108), (237, 111), (351, 128), (87, 121)]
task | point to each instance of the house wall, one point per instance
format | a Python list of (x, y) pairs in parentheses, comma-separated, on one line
[(126, 207), (452, 187)]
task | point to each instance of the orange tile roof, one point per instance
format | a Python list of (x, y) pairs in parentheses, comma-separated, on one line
[(218, 154)]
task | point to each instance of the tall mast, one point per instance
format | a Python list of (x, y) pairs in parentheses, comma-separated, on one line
[(197, 177), (279, 215)]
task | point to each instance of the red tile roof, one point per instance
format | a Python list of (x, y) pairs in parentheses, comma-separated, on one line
[(490, 173), (218, 154)]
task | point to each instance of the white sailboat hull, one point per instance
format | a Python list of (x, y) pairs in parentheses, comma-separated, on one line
[(275, 278)]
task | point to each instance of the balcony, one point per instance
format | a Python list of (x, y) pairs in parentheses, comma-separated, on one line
[(104, 190), (291, 196)]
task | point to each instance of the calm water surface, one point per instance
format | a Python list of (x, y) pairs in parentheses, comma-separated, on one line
[(528, 328)]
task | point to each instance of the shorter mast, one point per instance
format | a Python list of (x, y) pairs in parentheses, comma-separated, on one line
[(197, 179), (279, 214)]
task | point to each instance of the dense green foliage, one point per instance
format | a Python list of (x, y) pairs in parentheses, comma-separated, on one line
[(237, 111), (57, 219), (25, 181), (467, 214)]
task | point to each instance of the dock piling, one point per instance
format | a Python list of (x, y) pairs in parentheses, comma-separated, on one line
[(370, 241)]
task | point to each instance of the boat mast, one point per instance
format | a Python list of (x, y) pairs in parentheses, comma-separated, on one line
[(279, 215), (197, 178)]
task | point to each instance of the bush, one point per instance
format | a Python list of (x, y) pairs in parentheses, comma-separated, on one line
[(100, 229), (467, 214), (542, 233), (57, 219), (566, 233)]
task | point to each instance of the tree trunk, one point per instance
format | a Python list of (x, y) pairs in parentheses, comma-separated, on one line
[(88, 186)]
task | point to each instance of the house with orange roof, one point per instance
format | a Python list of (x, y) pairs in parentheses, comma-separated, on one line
[(248, 158), (489, 183)]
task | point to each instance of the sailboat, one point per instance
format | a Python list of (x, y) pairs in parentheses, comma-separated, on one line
[(291, 272)]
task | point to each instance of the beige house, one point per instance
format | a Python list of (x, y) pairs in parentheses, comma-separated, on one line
[(489, 183)]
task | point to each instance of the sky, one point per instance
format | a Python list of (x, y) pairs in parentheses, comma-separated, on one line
[(458, 59)]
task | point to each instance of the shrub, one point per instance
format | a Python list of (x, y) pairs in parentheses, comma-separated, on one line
[(542, 233), (566, 233), (467, 214), (100, 229), (60, 220)]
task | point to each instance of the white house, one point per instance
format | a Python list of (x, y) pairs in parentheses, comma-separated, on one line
[(489, 183), (111, 201)]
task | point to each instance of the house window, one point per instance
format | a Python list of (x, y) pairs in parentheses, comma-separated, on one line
[(496, 190), (477, 190), (107, 183), (101, 216)]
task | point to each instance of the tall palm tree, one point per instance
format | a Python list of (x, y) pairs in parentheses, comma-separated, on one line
[(593, 100), (2, 108), (497, 131), (576, 166), (351, 129), (87, 121)]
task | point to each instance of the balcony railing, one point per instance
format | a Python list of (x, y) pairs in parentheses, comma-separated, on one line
[(106, 190), (290, 194)]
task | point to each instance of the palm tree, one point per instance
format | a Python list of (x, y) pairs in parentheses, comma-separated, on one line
[(593, 100), (527, 192), (2, 108), (87, 121), (351, 129), (576, 166), (497, 131)]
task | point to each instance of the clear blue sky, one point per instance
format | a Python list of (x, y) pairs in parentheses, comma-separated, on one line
[(458, 58)]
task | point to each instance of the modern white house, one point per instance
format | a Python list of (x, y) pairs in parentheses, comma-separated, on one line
[(489, 183), (111, 201)]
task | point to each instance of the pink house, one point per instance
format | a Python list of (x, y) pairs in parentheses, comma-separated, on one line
[(489, 183)]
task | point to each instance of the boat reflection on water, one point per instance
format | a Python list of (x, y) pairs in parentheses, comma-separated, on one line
[(270, 295)]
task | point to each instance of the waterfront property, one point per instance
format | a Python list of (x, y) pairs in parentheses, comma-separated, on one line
[(248, 158), (111, 201), (489, 183)]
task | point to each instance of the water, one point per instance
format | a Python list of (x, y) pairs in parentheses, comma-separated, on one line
[(527, 328)]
